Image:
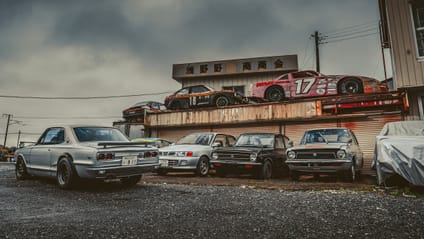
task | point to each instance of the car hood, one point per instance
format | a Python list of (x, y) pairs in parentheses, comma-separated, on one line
[(240, 149), (320, 146), (185, 147)]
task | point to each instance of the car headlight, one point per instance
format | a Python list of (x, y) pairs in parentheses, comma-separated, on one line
[(341, 154), (214, 156), (291, 154), (253, 156), (184, 154)]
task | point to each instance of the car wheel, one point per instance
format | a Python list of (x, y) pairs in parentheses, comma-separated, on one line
[(294, 176), (274, 93), (130, 181), (162, 172), (221, 101), (66, 176), (266, 171), (20, 170), (350, 86), (221, 172), (350, 174), (202, 167)]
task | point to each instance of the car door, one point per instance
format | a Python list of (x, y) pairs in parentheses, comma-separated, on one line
[(199, 95), (41, 154), (355, 148), (303, 84)]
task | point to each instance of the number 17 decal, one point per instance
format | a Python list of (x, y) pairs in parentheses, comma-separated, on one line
[(299, 83)]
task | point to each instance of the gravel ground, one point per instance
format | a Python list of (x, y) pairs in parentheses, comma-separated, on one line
[(37, 208)]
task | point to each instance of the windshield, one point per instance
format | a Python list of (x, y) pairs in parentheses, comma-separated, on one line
[(202, 139), (256, 140), (326, 136), (95, 134)]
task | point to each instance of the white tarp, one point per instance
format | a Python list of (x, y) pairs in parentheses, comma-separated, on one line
[(400, 150)]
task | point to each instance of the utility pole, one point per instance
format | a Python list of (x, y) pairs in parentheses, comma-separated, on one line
[(7, 127), (317, 41), (19, 138)]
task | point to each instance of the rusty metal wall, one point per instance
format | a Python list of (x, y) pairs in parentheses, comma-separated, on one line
[(252, 128), (366, 130), (233, 115)]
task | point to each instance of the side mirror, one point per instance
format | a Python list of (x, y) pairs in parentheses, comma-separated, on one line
[(290, 144), (349, 141), (217, 144)]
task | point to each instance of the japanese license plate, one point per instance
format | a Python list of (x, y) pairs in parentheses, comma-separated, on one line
[(129, 160), (163, 163)]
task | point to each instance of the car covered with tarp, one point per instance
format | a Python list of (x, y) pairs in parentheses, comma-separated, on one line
[(399, 149)]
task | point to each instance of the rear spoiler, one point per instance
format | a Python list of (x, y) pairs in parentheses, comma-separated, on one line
[(105, 144)]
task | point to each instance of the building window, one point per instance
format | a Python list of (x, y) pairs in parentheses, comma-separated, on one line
[(278, 64), (247, 66), (217, 67), (203, 68), (417, 9), (189, 70), (262, 65), (238, 88)]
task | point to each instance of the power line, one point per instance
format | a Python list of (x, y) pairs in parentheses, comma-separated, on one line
[(82, 97), (71, 117), (349, 38), (350, 28), (351, 33)]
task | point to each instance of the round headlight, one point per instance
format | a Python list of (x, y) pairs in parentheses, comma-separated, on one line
[(291, 154), (341, 154), (215, 156), (253, 157)]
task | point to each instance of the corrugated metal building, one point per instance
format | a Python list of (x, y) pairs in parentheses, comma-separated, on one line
[(403, 33)]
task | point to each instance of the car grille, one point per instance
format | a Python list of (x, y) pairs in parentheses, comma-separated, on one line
[(172, 163), (316, 154), (167, 153), (233, 156)]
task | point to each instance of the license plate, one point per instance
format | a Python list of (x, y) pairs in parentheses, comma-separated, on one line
[(129, 160), (163, 163)]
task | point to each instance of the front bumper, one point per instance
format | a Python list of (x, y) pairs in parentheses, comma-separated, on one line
[(232, 164), (321, 166), (178, 163), (115, 171)]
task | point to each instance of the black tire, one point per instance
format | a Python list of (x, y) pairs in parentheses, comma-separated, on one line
[(221, 101), (265, 172), (130, 181), (274, 93), (202, 167), (350, 86), (21, 170), (221, 172), (66, 176), (350, 174), (161, 172), (294, 176)]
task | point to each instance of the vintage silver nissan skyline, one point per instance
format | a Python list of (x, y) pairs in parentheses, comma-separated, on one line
[(70, 153), (324, 151)]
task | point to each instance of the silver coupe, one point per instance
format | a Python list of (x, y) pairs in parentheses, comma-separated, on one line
[(70, 153)]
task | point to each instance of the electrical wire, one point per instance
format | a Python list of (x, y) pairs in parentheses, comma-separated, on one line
[(350, 28), (82, 97), (349, 38), (352, 33)]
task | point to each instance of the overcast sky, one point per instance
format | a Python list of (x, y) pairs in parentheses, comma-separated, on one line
[(100, 48)]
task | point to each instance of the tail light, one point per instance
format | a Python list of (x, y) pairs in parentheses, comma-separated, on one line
[(104, 156), (147, 154), (189, 154), (154, 154)]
